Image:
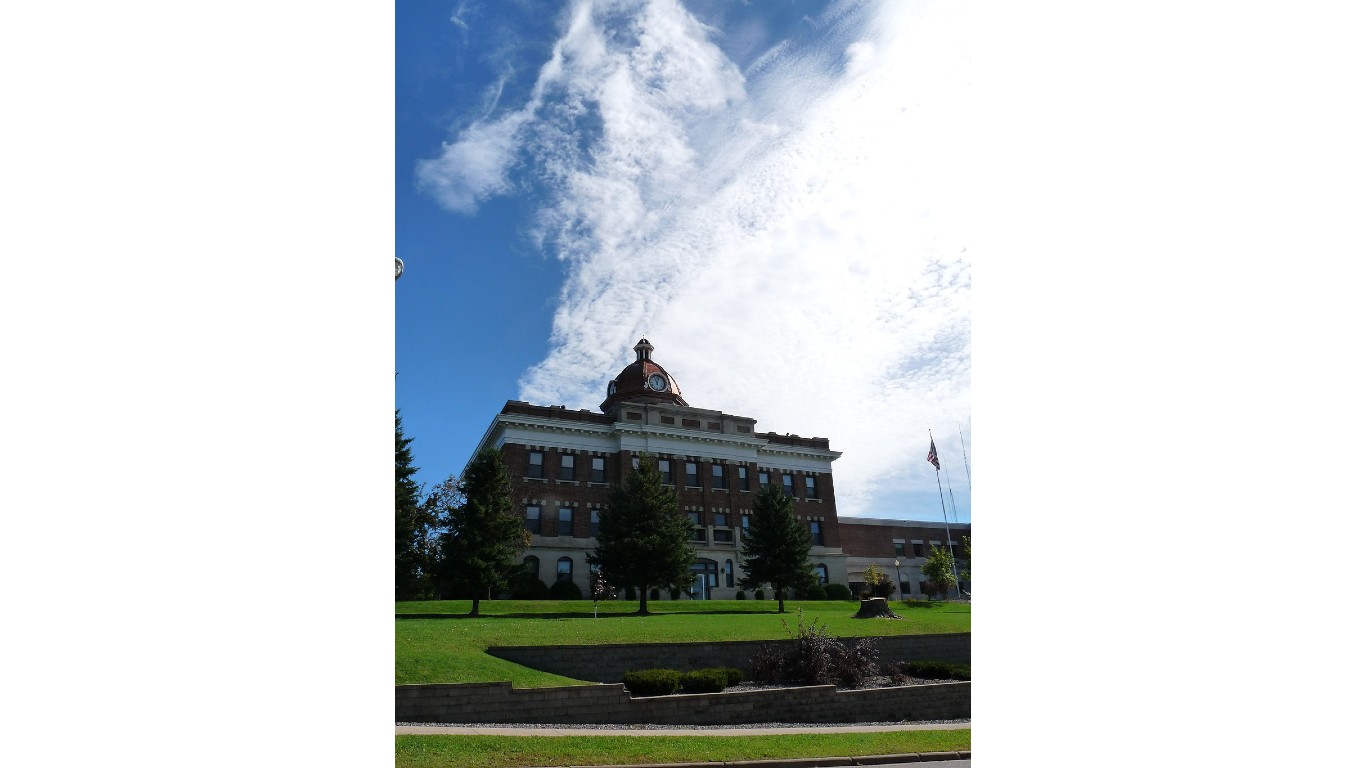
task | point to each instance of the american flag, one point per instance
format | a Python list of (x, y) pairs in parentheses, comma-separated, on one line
[(933, 458)]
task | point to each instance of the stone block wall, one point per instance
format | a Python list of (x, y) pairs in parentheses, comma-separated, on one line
[(610, 663), (501, 703)]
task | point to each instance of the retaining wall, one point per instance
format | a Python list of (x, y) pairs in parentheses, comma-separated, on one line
[(610, 703), (610, 663)]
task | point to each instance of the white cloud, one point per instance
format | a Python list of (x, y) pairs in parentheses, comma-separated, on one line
[(792, 245)]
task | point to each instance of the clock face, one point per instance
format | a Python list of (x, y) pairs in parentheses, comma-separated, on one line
[(657, 382)]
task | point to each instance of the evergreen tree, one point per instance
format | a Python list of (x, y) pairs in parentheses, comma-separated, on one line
[(643, 540), (483, 538), (938, 571), (411, 523), (776, 547)]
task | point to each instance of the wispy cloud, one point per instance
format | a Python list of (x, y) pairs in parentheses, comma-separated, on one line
[(790, 239)]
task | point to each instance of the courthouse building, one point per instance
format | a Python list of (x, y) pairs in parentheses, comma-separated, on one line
[(565, 462)]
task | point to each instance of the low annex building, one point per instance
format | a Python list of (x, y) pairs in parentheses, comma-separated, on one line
[(565, 462)]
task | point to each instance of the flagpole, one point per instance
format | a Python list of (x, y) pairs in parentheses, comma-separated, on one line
[(964, 447), (947, 535)]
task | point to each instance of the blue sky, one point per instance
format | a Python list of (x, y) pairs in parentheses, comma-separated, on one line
[(769, 192)]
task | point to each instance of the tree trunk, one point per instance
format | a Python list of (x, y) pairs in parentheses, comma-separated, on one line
[(644, 595), (781, 609), (474, 611), (874, 608)]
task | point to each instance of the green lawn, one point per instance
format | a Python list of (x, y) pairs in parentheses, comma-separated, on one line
[(503, 751), (449, 648)]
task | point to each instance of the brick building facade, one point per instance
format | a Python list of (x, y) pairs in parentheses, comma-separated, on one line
[(563, 464)]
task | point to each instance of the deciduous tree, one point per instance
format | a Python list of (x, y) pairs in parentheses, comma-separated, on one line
[(776, 548), (938, 571), (643, 539)]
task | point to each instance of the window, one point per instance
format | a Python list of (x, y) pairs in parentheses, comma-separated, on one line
[(690, 472), (567, 467), (822, 574), (692, 424), (533, 465), (905, 587), (744, 478), (594, 523), (898, 548), (714, 426), (599, 469), (721, 531), (564, 570), (811, 488), (633, 416), (666, 419), (744, 521), (917, 549), (698, 532), (741, 428), (816, 537), (763, 479), (666, 470), (635, 462), (787, 485), (730, 575), (566, 521), (718, 476), (532, 564), (533, 519)]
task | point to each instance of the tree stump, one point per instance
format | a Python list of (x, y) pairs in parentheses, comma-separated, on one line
[(874, 608)]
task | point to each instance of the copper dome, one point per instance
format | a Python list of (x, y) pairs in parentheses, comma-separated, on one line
[(643, 381)]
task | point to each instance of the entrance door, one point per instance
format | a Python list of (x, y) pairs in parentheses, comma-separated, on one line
[(704, 578)]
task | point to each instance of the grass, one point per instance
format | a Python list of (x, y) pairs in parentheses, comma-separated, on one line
[(449, 647), (454, 751)]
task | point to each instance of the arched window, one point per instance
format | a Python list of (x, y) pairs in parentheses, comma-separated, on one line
[(822, 573), (532, 565), (564, 570)]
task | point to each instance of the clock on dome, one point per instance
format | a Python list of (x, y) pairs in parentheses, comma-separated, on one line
[(657, 382)]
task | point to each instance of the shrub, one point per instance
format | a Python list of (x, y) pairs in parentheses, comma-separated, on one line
[(674, 593), (705, 680), (565, 590), (652, 682), (815, 658), (733, 676), (936, 670), (530, 588), (837, 592), (876, 583), (758, 594), (740, 595), (812, 592), (654, 593), (630, 594)]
